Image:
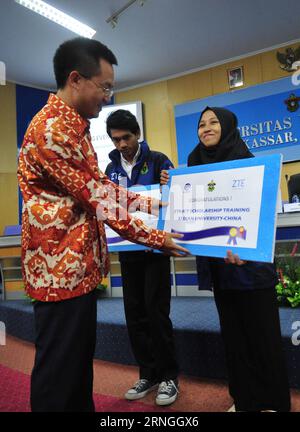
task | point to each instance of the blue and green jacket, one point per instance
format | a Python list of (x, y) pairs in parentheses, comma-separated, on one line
[(145, 172)]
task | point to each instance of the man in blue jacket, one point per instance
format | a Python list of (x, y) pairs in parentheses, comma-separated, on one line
[(145, 275)]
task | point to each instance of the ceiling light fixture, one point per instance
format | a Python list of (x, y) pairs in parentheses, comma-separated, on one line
[(58, 17), (113, 20)]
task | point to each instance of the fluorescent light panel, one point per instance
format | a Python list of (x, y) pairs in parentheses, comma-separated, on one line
[(58, 17)]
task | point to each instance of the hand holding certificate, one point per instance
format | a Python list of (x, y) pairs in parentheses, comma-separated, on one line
[(229, 205)]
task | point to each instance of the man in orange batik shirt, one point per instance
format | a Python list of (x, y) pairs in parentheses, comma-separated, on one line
[(66, 200)]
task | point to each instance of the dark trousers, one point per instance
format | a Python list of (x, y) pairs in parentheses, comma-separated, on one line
[(147, 297), (254, 354), (62, 376)]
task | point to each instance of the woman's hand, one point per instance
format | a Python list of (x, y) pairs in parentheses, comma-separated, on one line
[(233, 259)]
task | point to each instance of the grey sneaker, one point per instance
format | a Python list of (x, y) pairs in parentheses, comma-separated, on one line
[(167, 392), (140, 389)]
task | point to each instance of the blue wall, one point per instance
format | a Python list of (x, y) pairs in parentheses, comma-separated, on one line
[(258, 108), (28, 102)]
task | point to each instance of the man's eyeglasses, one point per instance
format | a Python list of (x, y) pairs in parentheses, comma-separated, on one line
[(117, 140), (108, 91)]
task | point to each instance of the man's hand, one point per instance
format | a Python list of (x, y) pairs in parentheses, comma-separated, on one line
[(172, 248), (233, 259)]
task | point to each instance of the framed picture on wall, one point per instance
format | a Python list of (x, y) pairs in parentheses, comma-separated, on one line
[(235, 77)]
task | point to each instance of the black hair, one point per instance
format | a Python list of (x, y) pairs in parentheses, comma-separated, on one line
[(123, 120), (81, 54)]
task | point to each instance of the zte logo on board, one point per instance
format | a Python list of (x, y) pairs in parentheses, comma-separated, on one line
[(238, 183)]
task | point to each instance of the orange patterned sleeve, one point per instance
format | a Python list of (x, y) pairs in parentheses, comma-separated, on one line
[(62, 162)]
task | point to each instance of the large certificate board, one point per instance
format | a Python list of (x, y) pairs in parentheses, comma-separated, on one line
[(222, 206), (118, 244)]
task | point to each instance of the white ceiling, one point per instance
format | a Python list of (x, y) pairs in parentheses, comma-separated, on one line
[(157, 40)]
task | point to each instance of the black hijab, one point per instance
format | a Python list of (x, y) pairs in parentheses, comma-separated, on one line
[(230, 147)]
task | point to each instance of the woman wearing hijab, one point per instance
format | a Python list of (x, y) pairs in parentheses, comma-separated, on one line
[(244, 292)]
